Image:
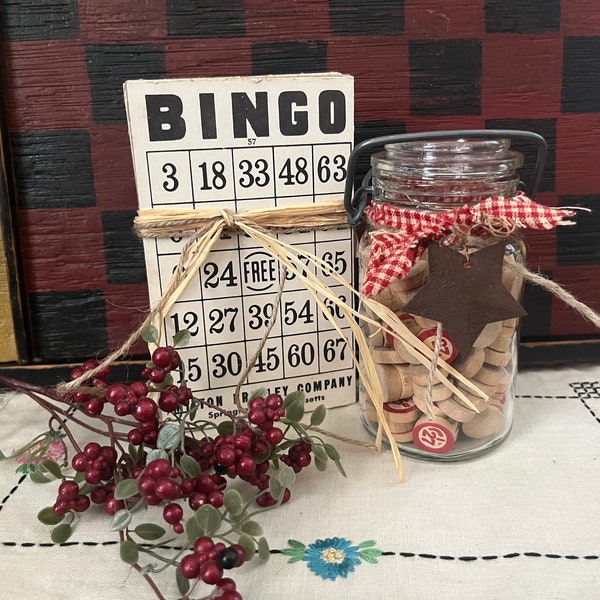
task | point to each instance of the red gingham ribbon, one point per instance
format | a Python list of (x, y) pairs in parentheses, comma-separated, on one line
[(401, 231)]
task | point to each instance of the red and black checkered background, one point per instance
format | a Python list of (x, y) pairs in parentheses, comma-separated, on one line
[(418, 65)]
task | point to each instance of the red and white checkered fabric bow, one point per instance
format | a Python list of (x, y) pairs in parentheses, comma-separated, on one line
[(400, 233)]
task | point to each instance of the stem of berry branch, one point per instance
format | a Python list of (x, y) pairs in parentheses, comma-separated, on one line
[(145, 575)]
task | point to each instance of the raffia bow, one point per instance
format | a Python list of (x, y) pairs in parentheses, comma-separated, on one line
[(401, 232)]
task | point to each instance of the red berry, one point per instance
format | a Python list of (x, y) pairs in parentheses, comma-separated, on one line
[(257, 416), (99, 494), (115, 393), (92, 450), (246, 465), (109, 454), (111, 505), (80, 504), (226, 584), (145, 410), (146, 485), (157, 375), (178, 528), (274, 436), (79, 462), (162, 357), (167, 489), (257, 402), (172, 513), (203, 544), (216, 498), (122, 408), (189, 567), (92, 475), (197, 499), (60, 508), (135, 437), (168, 401), (138, 388), (68, 490), (230, 595), (225, 455), (160, 467), (94, 406), (211, 572)]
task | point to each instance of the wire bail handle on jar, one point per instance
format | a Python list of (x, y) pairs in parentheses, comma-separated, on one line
[(356, 202)]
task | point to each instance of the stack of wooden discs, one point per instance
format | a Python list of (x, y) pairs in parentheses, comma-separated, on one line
[(426, 413)]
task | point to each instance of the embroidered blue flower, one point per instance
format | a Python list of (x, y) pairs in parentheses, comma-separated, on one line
[(332, 557)]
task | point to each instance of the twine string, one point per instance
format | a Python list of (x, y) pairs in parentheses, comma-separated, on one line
[(432, 369)]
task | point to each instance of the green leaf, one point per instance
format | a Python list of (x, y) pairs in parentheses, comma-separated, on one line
[(79, 477), (192, 530), (296, 544), (133, 453), (295, 411), (319, 452), (209, 519), (86, 488), (181, 338), (52, 467), (61, 533), (183, 584), (338, 464), (233, 502), (149, 531), (370, 555), (126, 488), (295, 551), (287, 477), (47, 516), (129, 552), (247, 543), (169, 436), (225, 427), (367, 544), (331, 452), (37, 477), (296, 396), (264, 553), (150, 334), (275, 488), (155, 454), (251, 528), (121, 520), (318, 415), (189, 466), (260, 392), (321, 463)]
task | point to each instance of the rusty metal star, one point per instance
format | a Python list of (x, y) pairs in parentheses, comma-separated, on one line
[(465, 295)]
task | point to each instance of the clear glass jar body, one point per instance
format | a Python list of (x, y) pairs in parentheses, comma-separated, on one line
[(427, 420)]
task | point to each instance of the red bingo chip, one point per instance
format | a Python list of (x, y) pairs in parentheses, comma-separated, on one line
[(434, 436), (401, 411), (448, 351)]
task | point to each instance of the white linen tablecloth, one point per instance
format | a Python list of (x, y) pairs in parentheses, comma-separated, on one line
[(521, 522)]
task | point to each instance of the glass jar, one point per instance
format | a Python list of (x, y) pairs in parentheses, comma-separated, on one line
[(426, 418)]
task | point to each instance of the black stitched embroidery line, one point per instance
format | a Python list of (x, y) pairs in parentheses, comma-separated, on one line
[(12, 491), (384, 553)]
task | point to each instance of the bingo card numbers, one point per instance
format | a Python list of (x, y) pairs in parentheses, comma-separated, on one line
[(241, 143)]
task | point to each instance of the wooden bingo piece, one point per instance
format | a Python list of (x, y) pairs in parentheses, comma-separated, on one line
[(420, 375), (471, 363), (488, 334), (438, 392), (477, 401), (401, 411), (448, 350), (395, 382), (424, 407), (490, 376), (484, 424), (437, 435), (495, 358), (456, 410), (386, 356), (504, 340)]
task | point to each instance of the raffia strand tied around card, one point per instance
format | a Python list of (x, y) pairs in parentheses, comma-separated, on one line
[(203, 228)]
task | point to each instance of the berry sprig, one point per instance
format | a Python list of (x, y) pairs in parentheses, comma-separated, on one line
[(156, 453)]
